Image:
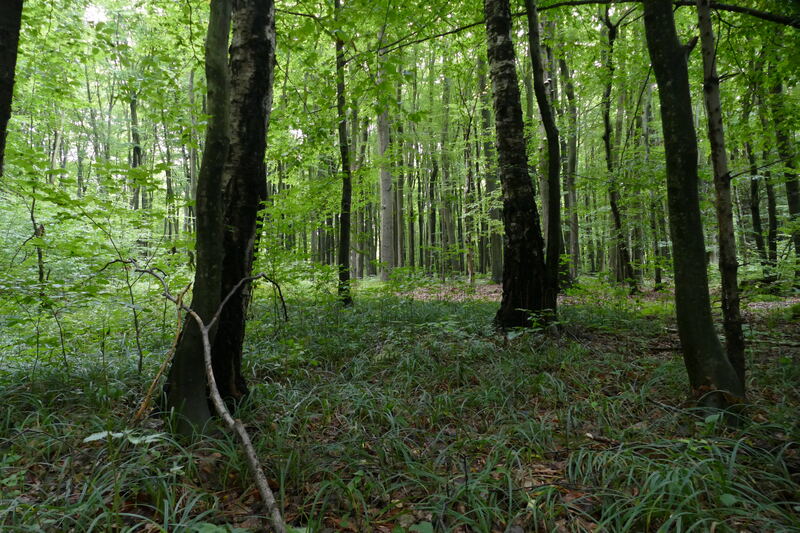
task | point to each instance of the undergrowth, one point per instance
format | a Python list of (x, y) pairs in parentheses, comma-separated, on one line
[(409, 414)]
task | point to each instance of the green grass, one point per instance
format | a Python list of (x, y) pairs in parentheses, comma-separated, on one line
[(408, 415)]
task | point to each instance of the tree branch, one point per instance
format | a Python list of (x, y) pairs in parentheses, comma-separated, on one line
[(792, 21), (233, 424)]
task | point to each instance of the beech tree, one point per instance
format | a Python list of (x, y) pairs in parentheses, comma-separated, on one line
[(347, 178), (714, 381), (728, 265), (231, 187), (523, 263), (554, 239)]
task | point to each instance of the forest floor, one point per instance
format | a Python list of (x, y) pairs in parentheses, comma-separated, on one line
[(410, 413)]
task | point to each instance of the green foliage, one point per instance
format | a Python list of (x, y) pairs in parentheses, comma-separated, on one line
[(408, 411)]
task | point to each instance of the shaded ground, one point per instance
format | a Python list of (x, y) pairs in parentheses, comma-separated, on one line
[(412, 414)]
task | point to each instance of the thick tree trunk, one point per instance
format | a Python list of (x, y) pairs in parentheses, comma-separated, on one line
[(252, 58), (713, 379), (728, 265), (347, 179), (10, 22), (186, 382), (523, 269), (553, 214)]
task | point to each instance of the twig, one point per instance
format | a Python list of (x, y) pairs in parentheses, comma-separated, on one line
[(149, 394), (233, 424), (604, 440)]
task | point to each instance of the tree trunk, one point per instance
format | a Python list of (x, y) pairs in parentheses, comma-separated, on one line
[(713, 379), (553, 213), (191, 182), (524, 269), (728, 266), (772, 208), (10, 22), (785, 146), (448, 243), (755, 195), (186, 382), (252, 58), (387, 195), (572, 168), (620, 245), (490, 175), (347, 179)]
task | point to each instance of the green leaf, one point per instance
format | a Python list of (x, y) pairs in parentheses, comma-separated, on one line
[(728, 500), (102, 435), (422, 527)]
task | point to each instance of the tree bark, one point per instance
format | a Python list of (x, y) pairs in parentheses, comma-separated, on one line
[(713, 379), (553, 213), (186, 382), (387, 194), (252, 58), (728, 266), (523, 269), (347, 179), (10, 22)]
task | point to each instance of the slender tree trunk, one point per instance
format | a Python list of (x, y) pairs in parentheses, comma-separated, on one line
[(713, 379), (10, 22), (755, 196), (387, 195), (572, 168), (252, 59), (553, 213), (728, 265), (399, 224), (186, 382), (490, 175), (138, 192), (785, 145), (620, 244), (523, 269), (772, 208), (191, 185), (448, 244), (347, 179)]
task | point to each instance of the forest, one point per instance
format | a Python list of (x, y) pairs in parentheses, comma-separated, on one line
[(380, 266)]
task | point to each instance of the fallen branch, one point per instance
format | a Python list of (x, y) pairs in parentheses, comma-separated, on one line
[(233, 424), (149, 394)]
